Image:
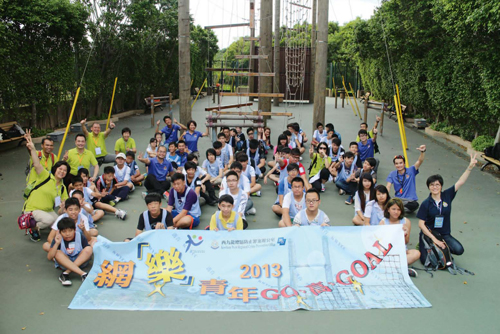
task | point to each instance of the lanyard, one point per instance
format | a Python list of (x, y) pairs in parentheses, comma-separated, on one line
[(401, 182), (95, 141), (79, 160), (440, 206)]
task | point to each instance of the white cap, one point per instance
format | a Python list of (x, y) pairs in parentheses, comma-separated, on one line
[(121, 155)]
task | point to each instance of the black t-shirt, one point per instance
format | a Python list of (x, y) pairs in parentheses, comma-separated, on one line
[(197, 183), (67, 243), (153, 221)]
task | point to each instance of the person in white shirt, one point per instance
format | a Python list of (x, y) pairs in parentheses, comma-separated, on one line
[(365, 193), (311, 215), (293, 202), (122, 172), (244, 184), (239, 196)]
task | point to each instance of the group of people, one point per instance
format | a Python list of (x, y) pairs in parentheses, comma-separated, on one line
[(236, 166)]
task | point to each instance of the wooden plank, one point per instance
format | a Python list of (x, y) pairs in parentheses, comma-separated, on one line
[(228, 25), (229, 106), (251, 38), (254, 94), (250, 74), (210, 69), (234, 125), (251, 56), (262, 113), (299, 5), (7, 126)]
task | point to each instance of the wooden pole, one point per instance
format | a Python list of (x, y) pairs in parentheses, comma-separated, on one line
[(366, 109), (335, 90), (69, 124), (313, 50), (170, 104), (251, 83), (111, 106), (152, 99), (497, 138), (276, 86), (321, 60), (184, 61), (266, 42), (382, 118)]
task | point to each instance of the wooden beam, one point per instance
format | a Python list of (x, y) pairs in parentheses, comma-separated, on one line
[(254, 94), (263, 113), (228, 25), (250, 74), (299, 5), (234, 125), (229, 106), (211, 69), (250, 38), (251, 56)]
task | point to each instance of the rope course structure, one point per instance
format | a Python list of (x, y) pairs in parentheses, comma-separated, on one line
[(296, 14)]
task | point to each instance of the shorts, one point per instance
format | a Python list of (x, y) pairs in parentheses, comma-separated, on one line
[(195, 221), (72, 258)]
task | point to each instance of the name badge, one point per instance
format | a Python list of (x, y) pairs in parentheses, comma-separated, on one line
[(98, 151), (230, 225), (58, 201), (438, 222)]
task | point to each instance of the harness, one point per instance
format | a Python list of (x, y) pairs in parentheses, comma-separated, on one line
[(145, 216)]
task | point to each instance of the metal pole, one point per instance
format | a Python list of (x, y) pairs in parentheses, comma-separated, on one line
[(184, 62), (276, 86), (320, 69)]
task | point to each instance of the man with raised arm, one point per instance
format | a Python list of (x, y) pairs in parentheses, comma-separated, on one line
[(96, 141)]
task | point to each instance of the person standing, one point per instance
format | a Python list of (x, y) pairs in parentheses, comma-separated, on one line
[(191, 137), (171, 130), (79, 157), (96, 141), (46, 157)]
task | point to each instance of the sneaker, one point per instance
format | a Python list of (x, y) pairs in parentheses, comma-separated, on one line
[(121, 214), (145, 176), (139, 184), (252, 211), (133, 188), (323, 188), (64, 279), (84, 276), (165, 195), (34, 235), (341, 192), (112, 203), (276, 184), (412, 272), (257, 193), (349, 200), (144, 194)]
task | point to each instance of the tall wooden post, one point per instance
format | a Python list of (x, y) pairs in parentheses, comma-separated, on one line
[(266, 42), (276, 86), (313, 50), (184, 62), (170, 103), (152, 99), (252, 49), (320, 70)]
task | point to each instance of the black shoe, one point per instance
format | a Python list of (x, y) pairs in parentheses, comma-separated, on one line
[(64, 279), (412, 272), (34, 236), (84, 276)]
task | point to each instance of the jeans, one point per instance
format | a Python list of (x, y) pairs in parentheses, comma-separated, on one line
[(108, 158), (153, 185), (410, 205), (249, 205), (349, 188), (454, 245)]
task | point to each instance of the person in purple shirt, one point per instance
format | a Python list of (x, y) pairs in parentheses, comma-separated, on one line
[(170, 130), (183, 203), (404, 180), (366, 145), (191, 137), (158, 170)]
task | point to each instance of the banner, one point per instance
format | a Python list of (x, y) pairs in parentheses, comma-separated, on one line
[(312, 268)]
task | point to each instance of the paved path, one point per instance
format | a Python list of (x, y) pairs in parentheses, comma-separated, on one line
[(30, 286)]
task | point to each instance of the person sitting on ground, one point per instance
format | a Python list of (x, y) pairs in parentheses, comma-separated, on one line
[(158, 138), (320, 163), (364, 126), (79, 157), (207, 190), (374, 209), (191, 137), (96, 141), (226, 219), (257, 157), (303, 134), (282, 141), (48, 191), (368, 167), (330, 135), (294, 158), (70, 251), (85, 195), (365, 193), (329, 127), (318, 134), (296, 140), (154, 218), (275, 170), (250, 173), (170, 130), (284, 188), (213, 167), (240, 139), (345, 177), (435, 212), (244, 184), (232, 140), (122, 173), (265, 139), (172, 155), (183, 204), (87, 182), (403, 180), (311, 215), (366, 145), (46, 158), (239, 196), (226, 151), (159, 169), (135, 173), (125, 143), (394, 213), (107, 185), (182, 152), (152, 148), (192, 180), (251, 136), (353, 147), (229, 138), (217, 146), (293, 202)]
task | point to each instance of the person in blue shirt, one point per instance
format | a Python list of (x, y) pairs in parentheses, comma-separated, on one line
[(435, 212), (329, 127), (366, 145), (284, 188), (159, 169), (182, 153), (172, 155), (403, 180), (191, 137), (170, 130)]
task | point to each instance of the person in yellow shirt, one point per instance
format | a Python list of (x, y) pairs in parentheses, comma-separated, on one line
[(226, 219), (79, 157), (46, 157), (96, 141), (125, 143)]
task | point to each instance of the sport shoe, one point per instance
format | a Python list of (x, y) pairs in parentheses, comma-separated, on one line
[(34, 235), (348, 201), (165, 195), (64, 279), (144, 194), (341, 192), (121, 214), (257, 193), (84, 276), (252, 211), (112, 203), (323, 188), (412, 272)]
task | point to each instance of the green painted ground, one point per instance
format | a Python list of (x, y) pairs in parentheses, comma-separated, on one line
[(32, 297)]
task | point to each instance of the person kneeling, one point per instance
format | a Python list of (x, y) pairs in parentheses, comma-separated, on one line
[(70, 251), (226, 219), (311, 215)]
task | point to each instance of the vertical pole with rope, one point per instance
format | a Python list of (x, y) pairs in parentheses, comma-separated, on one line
[(321, 62), (111, 106), (348, 97), (356, 102), (401, 131), (184, 61), (152, 100), (69, 124), (401, 115)]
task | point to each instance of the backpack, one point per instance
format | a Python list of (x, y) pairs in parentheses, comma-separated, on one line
[(31, 187), (28, 166), (438, 258), (493, 151)]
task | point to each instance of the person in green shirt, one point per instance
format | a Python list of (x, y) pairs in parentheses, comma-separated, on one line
[(96, 141), (50, 193), (46, 157), (79, 157), (125, 143)]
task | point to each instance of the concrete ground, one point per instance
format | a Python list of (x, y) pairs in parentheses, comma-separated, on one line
[(32, 299)]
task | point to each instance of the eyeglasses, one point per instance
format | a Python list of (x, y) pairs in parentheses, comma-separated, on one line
[(312, 201), (321, 148)]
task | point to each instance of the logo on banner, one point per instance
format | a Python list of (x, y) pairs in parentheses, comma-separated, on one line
[(281, 241), (191, 241), (215, 244)]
